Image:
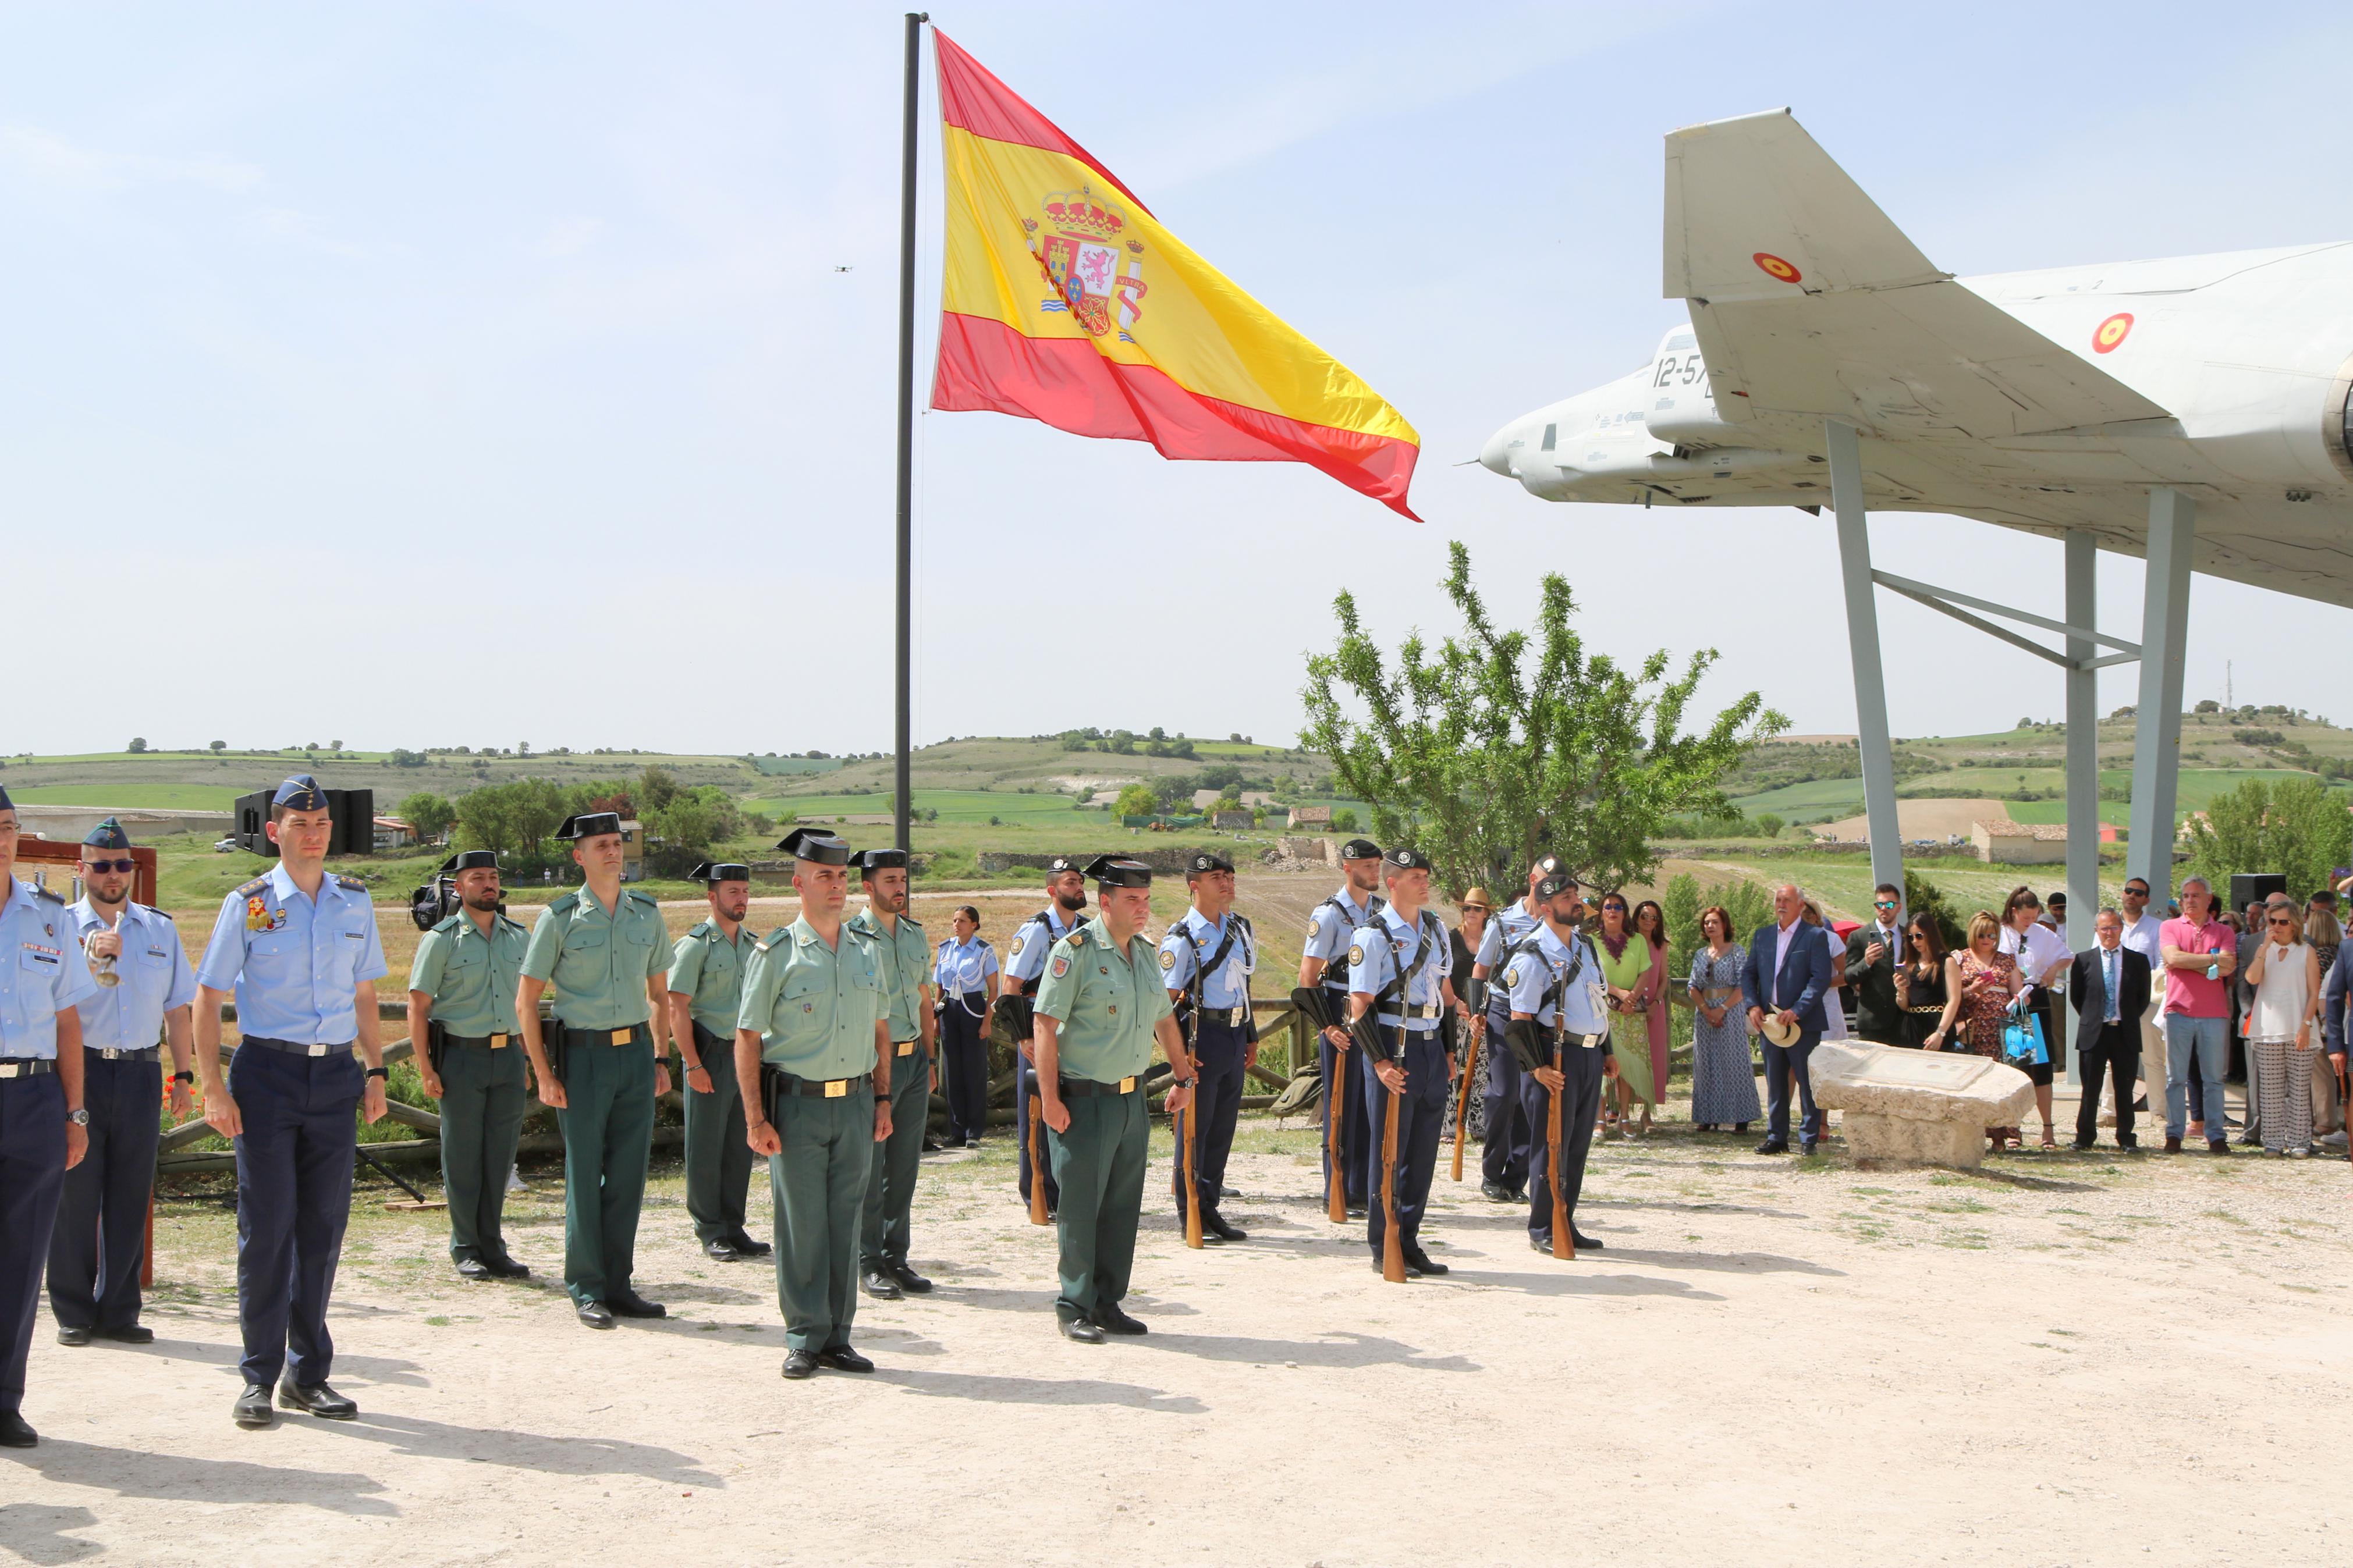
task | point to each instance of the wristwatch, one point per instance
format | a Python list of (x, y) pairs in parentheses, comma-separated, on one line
[(384, 1073), (183, 1077), (1185, 1082), (80, 1118)]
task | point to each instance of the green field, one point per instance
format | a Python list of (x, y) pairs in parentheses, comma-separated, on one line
[(1816, 800), (152, 797), (953, 805)]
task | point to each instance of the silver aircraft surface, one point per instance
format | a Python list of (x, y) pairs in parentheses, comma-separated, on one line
[(2047, 400)]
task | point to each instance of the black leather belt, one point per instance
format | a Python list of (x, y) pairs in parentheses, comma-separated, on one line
[(1571, 1038), (820, 1088), (123, 1054), (26, 1066), (1232, 1018), (626, 1036), (294, 1047), (482, 1042), (1080, 1087)]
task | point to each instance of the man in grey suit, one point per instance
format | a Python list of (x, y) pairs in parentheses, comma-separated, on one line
[(1787, 975), (2109, 988)]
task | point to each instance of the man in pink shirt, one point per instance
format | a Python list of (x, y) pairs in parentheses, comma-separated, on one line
[(2199, 954)]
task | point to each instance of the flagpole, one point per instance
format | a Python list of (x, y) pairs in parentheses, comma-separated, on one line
[(904, 797)]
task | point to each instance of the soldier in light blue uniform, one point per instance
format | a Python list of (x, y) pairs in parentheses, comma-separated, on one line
[(1324, 961), (1025, 965), (1547, 977), (1207, 960), (44, 1129), (903, 954), (1397, 967), (1504, 1163), (967, 975), (101, 1230), (299, 949)]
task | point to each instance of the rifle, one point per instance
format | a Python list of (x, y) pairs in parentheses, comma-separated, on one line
[(1462, 1094), (1192, 1115), (1392, 1241), (1038, 1215), (1564, 1241), (1309, 1001)]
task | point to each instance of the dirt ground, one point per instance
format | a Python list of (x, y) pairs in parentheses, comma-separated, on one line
[(2066, 1358), (1929, 818)]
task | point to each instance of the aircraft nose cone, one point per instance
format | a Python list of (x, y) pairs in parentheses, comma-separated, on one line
[(1496, 457)]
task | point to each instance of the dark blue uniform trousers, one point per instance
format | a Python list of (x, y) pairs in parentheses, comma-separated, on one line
[(1780, 1062), (1218, 1052), (103, 1213), (293, 1198), (1025, 1085), (1424, 1114), (963, 1066), (1580, 1066), (32, 1168), (1344, 1085), (1504, 1160)]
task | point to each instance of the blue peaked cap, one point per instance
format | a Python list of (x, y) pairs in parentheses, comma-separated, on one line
[(300, 792)]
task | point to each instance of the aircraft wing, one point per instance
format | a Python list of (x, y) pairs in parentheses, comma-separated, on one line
[(1807, 300)]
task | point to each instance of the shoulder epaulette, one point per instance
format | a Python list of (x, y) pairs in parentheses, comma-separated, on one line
[(510, 919), (913, 921), (154, 910), (44, 893), (700, 927), (448, 923), (1078, 937), (564, 903), (645, 898), (256, 886), (351, 884)]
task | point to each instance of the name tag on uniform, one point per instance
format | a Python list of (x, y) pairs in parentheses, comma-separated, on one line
[(42, 954)]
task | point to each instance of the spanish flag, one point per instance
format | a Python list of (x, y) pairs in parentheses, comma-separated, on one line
[(1064, 301)]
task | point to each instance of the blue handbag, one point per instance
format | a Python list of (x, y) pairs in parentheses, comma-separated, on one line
[(2022, 1045)]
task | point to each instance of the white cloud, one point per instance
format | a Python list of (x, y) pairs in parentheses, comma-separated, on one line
[(54, 159)]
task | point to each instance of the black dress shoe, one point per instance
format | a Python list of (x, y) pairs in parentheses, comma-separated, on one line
[(748, 1247), (1113, 1321), (1583, 1242), (1074, 1327), (1356, 1211), (1216, 1224), (128, 1334), (1495, 1191), (720, 1251), (1540, 1243), (972, 1142), (931, 1144), (629, 1304), (74, 1334), (506, 1268), (252, 1406), (799, 1364), (880, 1286), (1809, 1145), (322, 1400), (841, 1358), (908, 1281), (1773, 1146), (2218, 1146), (595, 1314), (13, 1431), (473, 1268), (1410, 1271), (2079, 1146), (1420, 1262)]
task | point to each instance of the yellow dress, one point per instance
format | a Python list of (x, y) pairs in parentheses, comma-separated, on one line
[(1630, 1033)]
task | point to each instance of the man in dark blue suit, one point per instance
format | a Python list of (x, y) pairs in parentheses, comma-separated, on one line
[(1789, 972)]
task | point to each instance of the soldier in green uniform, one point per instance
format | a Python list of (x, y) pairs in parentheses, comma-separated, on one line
[(600, 1066), (706, 992), (461, 1022), (904, 954), (813, 1060), (1100, 1010)]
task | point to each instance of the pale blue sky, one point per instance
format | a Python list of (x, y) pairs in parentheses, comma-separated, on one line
[(529, 312)]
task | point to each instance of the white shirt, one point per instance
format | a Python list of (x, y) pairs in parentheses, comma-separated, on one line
[(1781, 947), (2140, 935), (1891, 935), (2042, 948), (1834, 1010)]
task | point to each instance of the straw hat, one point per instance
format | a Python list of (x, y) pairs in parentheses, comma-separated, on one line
[(1778, 1032), (1477, 896)]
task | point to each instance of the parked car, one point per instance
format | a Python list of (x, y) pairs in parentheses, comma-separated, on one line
[(224, 846)]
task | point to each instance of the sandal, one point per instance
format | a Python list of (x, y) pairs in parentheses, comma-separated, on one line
[(2049, 1140)]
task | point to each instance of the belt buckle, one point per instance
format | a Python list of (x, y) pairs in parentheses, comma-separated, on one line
[(837, 1088), (622, 1037), (497, 1042), (317, 1050), (1127, 1086), (11, 1069), (906, 1048)]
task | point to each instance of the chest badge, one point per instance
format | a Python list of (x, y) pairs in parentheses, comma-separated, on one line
[(1105, 970), (1113, 1010)]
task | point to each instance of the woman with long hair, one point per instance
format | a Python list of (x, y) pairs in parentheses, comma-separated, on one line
[(967, 975), (1980, 981), (2284, 1006), (1650, 925), (1920, 982), (1626, 965), (2042, 955), (1724, 1072)]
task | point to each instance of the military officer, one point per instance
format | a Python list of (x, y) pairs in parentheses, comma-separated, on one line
[(813, 1058), (1324, 961), (145, 990), (298, 948), (1504, 1163), (1548, 977), (1205, 962), (1025, 968), (1397, 966), (966, 974), (1099, 1012), (706, 993), (44, 1128), (600, 1066), (461, 1024), (903, 954)]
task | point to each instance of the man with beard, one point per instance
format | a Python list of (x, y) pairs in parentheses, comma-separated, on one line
[(706, 993), (462, 1024), (1025, 963), (903, 954), (1398, 964), (1503, 1163), (1324, 961), (1548, 978)]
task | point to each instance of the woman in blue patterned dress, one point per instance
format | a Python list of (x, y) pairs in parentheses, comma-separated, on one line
[(1723, 1077)]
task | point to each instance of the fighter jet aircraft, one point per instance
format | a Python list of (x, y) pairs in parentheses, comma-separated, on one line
[(2043, 401)]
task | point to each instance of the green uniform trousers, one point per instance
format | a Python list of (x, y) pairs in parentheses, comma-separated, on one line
[(718, 1161), (1099, 1169), (889, 1224), (818, 1188), (482, 1106), (608, 1134)]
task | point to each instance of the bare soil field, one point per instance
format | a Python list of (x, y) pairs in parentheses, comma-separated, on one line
[(1931, 818), (2065, 1359)]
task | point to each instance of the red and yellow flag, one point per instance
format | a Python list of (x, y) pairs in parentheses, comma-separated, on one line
[(1064, 301)]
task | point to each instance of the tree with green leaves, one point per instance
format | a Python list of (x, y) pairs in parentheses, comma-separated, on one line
[(511, 818), (1498, 746), (429, 813), (2297, 827), (1135, 800)]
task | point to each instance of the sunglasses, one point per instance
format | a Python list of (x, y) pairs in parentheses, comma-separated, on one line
[(1474, 909), (123, 864), (1885, 904), (2281, 920), (1613, 909)]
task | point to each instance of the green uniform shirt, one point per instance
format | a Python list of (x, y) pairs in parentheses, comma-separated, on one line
[(906, 965), (707, 969), (471, 977), (599, 964), (1106, 1003), (815, 1006)]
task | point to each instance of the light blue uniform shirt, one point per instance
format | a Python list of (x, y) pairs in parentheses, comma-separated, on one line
[(295, 963), (1228, 985), (153, 974), (1529, 974), (1388, 948), (41, 970), (964, 966), (1025, 960), (1509, 928), (1329, 934)]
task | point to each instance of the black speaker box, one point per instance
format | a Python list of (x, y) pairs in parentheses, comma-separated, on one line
[(2249, 886), (354, 809)]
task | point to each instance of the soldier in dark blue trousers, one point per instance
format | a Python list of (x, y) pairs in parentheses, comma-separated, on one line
[(1205, 962), (1397, 966), (299, 949)]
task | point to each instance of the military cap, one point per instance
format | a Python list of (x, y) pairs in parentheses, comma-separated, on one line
[(1546, 865), (1552, 886), (815, 844), (1402, 859), (722, 871), (300, 792), (1118, 871), (1061, 863), (869, 861), (470, 860), (588, 825), (5, 803), (1360, 849), (107, 835), (1206, 861)]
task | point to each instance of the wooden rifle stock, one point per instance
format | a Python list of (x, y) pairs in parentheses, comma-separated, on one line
[(1564, 1240), (1191, 1114), (1335, 1189), (1392, 1240), (1038, 1215), (1462, 1094), (1192, 1185)]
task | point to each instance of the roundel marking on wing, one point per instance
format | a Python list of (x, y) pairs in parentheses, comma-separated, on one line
[(2112, 332)]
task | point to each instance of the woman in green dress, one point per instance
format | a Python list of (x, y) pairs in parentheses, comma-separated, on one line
[(1630, 970)]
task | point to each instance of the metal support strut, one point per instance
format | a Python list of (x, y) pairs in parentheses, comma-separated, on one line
[(2156, 751), (2082, 764), (1863, 645)]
